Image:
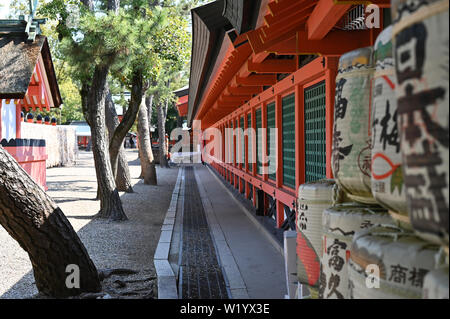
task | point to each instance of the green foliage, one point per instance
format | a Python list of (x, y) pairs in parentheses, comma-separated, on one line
[(150, 35)]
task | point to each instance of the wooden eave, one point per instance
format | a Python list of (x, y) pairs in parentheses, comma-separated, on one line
[(283, 27)]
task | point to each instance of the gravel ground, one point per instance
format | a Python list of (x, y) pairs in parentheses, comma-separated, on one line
[(130, 244)]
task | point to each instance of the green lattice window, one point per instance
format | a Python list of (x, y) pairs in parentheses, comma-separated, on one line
[(271, 144), (241, 125), (258, 125), (288, 150), (315, 141), (249, 142)]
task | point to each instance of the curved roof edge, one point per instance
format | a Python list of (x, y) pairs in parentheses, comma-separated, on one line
[(209, 26)]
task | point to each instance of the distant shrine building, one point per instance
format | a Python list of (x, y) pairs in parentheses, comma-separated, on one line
[(27, 83)]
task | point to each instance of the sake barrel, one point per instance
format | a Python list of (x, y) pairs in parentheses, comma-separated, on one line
[(340, 223), (435, 285), (313, 198), (389, 263), (387, 176), (420, 38), (351, 156)]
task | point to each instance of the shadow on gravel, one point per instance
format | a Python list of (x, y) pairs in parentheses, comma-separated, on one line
[(128, 245)]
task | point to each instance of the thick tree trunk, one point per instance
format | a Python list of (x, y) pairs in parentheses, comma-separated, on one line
[(162, 136), (33, 219), (110, 204), (149, 104), (123, 179), (128, 118), (145, 147)]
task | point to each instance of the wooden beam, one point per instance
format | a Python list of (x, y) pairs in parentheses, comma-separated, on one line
[(257, 80), (257, 58), (289, 13), (277, 7), (273, 66), (244, 90), (335, 43), (234, 98), (222, 104), (259, 46), (286, 47), (324, 17), (286, 26), (380, 3)]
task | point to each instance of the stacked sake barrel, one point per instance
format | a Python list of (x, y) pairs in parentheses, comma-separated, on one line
[(389, 263), (351, 164), (387, 175), (340, 223), (420, 37), (435, 284), (396, 261), (313, 198), (351, 152)]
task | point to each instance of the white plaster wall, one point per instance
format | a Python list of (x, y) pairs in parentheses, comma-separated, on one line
[(60, 142), (8, 118)]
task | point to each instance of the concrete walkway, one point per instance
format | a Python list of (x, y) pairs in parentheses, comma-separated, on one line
[(251, 262)]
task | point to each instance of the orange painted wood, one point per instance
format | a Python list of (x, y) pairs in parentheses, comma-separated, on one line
[(288, 13), (324, 17), (18, 119), (280, 213), (273, 66), (281, 6), (259, 57), (287, 47), (244, 90), (380, 3), (257, 80), (285, 27), (284, 196), (335, 43), (234, 98)]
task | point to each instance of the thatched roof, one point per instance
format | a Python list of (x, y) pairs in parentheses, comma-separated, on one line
[(18, 59)]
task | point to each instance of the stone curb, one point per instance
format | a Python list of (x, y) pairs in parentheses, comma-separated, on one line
[(167, 282)]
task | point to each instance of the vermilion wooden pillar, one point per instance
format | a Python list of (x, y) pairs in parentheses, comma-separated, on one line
[(18, 120)]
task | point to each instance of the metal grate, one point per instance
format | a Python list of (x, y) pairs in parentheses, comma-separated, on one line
[(288, 126), (258, 122), (249, 142), (271, 147), (315, 142), (201, 273), (354, 19)]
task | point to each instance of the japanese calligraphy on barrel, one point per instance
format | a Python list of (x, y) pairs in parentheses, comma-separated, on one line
[(387, 176), (420, 38), (312, 199), (340, 223), (351, 155), (387, 262), (435, 285)]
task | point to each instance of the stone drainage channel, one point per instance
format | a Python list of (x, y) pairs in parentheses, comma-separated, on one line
[(192, 259)]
